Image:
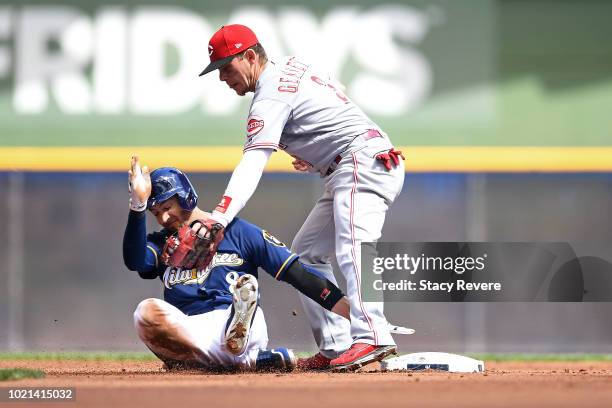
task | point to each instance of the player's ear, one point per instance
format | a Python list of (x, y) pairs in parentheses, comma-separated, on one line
[(250, 55)]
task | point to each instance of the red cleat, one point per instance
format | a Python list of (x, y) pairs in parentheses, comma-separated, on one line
[(314, 363), (360, 354)]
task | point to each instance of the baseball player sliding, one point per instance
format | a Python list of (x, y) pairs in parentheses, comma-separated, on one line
[(209, 317), (303, 111)]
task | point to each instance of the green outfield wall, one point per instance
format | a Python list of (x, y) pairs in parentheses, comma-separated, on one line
[(432, 73)]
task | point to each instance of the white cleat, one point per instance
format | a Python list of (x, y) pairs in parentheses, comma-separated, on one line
[(244, 293)]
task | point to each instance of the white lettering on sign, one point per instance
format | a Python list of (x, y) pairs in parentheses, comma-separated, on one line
[(146, 60), (397, 79)]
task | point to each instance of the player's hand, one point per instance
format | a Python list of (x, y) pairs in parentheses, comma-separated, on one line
[(301, 165), (193, 246), (139, 185), (211, 232), (390, 158)]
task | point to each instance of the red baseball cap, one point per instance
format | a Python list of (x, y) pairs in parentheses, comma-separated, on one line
[(228, 41)]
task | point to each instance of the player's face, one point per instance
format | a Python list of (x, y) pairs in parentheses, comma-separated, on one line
[(238, 75), (169, 214)]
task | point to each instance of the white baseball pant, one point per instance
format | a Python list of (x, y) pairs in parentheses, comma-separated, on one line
[(351, 211), (199, 339)]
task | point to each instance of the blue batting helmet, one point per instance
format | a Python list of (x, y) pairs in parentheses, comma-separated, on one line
[(167, 182)]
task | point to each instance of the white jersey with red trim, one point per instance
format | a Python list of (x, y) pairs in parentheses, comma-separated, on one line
[(303, 111)]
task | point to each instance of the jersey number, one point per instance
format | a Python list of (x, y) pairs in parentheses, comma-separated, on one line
[(339, 93), (232, 277)]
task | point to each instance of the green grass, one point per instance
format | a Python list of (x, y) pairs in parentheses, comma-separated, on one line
[(147, 356), (79, 355), (11, 374)]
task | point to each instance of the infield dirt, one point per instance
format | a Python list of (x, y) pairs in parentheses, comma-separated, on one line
[(120, 384)]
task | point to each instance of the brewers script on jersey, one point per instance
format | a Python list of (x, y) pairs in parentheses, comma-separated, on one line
[(198, 301)]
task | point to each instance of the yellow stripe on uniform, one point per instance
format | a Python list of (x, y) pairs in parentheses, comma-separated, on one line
[(283, 266), (154, 253), (419, 159)]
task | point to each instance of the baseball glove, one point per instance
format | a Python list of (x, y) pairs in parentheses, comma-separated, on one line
[(194, 245)]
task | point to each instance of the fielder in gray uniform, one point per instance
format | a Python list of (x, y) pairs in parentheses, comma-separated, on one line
[(303, 111)]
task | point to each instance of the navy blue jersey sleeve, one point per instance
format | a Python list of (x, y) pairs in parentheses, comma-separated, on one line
[(140, 251), (264, 250)]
